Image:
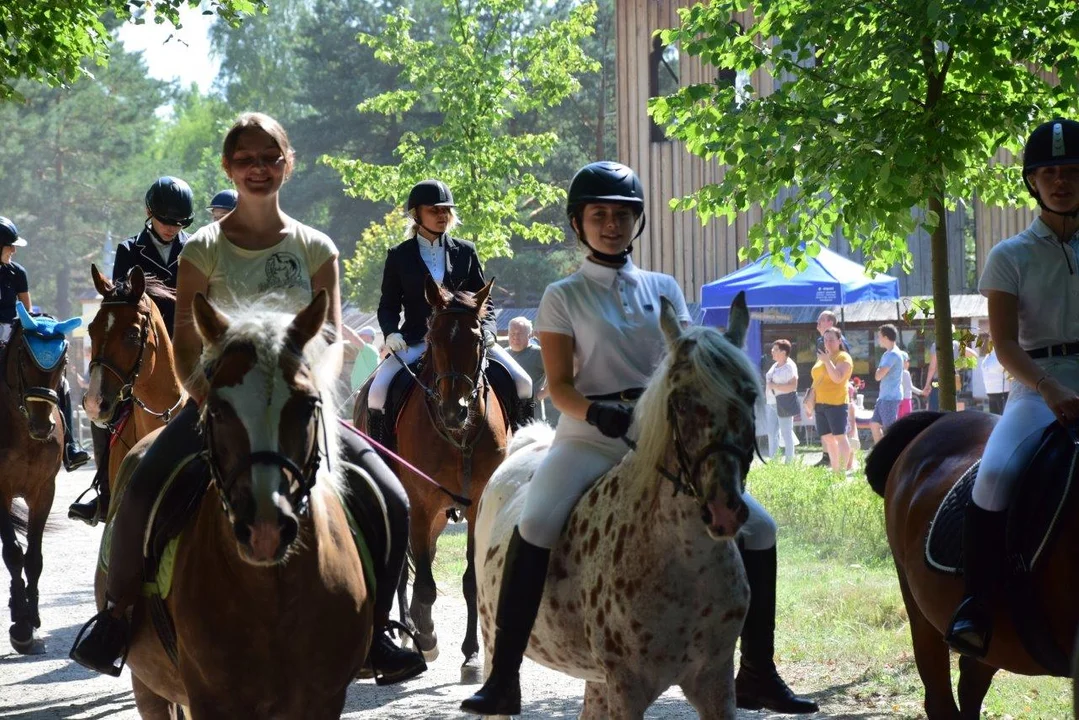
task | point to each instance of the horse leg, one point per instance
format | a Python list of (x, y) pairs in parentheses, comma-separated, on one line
[(424, 590), (471, 672), (975, 677), (21, 632), (32, 565), (150, 705), (711, 690), (595, 702), (931, 656), (629, 695)]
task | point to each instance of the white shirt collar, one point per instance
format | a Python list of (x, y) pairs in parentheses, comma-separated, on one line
[(607, 276), (424, 243), (1040, 229)]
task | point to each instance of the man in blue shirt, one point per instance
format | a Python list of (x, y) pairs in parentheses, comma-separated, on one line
[(890, 376)]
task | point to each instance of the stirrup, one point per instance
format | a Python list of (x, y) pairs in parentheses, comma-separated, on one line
[(78, 510), (389, 628), (959, 641), (114, 670)]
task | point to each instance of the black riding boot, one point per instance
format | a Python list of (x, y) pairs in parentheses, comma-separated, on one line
[(971, 627), (758, 684), (376, 428), (97, 508), (518, 603), (525, 412), (104, 649), (74, 456)]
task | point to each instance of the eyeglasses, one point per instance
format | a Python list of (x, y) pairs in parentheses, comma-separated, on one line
[(174, 223), (273, 161)]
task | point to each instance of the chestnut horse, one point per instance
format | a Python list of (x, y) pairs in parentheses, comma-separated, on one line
[(271, 609), (131, 359), (31, 444), (913, 466), (645, 588), (451, 428)]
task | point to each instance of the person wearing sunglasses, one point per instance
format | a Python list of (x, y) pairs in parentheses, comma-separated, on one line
[(170, 207)]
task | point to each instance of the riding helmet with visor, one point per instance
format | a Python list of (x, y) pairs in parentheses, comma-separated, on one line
[(9, 234), (606, 182), (1052, 143), (171, 201)]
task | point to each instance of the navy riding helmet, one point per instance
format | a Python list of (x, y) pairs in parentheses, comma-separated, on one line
[(224, 200), (171, 201), (9, 234)]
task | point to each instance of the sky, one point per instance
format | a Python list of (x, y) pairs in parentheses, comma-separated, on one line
[(185, 57)]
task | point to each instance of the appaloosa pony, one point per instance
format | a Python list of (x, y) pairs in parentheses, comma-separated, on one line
[(269, 601), (130, 359), (645, 588), (31, 445), (913, 467), (453, 429)]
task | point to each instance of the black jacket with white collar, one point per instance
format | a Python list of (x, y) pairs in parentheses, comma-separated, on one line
[(139, 250)]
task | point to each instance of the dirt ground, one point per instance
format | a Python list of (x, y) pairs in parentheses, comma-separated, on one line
[(51, 686)]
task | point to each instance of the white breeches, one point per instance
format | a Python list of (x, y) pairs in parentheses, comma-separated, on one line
[(1015, 438), (579, 455), (5, 332), (380, 386), (384, 373)]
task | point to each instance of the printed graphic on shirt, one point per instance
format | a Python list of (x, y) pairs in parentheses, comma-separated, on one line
[(283, 271)]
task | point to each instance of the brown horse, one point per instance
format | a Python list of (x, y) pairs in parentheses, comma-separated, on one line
[(31, 446), (452, 428), (271, 609), (913, 466), (131, 359)]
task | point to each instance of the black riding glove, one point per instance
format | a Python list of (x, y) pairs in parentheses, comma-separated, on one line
[(612, 419)]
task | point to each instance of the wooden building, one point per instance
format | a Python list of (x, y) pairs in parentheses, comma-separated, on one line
[(675, 242)]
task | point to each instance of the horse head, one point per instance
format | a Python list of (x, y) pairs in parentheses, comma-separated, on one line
[(699, 418), (456, 352), (263, 419), (125, 336), (34, 364)]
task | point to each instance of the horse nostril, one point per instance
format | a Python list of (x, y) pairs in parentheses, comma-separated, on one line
[(289, 530), (242, 531)]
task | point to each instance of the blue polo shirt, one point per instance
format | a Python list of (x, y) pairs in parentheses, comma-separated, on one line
[(13, 282)]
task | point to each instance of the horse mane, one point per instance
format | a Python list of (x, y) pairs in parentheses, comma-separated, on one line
[(265, 329), (720, 374), (155, 288)]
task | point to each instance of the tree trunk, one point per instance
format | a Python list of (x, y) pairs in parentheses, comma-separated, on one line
[(942, 305)]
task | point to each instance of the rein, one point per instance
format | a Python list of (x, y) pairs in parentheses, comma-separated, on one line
[(31, 393)]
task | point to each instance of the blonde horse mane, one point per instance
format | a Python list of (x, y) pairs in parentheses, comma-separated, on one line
[(265, 329), (719, 371)]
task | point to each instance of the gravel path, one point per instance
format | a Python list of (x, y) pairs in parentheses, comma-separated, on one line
[(50, 686)]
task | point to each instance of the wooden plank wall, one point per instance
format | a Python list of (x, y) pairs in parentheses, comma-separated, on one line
[(676, 243)]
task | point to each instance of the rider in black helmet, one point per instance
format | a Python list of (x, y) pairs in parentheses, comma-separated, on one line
[(15, 288), (222, 204), (170, 207)]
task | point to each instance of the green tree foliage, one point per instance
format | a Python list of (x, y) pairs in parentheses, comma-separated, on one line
[(362, 273), (882, 108), (492, 68), (52, 40), (77, 162)]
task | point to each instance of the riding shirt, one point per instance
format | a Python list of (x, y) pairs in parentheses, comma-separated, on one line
[(13, 282), (236, 275)]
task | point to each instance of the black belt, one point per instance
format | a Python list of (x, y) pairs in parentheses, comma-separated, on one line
[(630, 395), (1054, 351)]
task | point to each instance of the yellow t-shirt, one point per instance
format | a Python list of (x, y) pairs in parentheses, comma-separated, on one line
[(829, 392), (281, 273)]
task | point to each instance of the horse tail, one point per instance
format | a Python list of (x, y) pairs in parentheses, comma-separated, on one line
[(884, 454), (535, 432)]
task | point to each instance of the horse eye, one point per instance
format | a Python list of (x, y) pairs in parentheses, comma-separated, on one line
[(132, 335)]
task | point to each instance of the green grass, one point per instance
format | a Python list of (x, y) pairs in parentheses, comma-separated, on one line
[(841, 625)]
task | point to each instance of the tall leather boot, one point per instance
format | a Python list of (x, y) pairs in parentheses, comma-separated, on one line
[(758, 684), (376, 428), (519, 598), (74, 456), (524, 413), (971, 627), (104, 648), (97, 508)]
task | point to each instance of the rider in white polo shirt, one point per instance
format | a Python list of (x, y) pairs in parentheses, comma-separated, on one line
[(600, 334)]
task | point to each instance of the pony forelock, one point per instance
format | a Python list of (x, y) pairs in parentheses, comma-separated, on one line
[(720, 373)]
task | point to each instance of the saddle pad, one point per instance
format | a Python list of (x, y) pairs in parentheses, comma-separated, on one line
[(944, 541)]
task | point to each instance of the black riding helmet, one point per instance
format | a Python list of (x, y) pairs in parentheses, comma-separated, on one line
[(9, 234), (224, 200), (430, 192), (171, 201), (606, 182), (1052, 143)]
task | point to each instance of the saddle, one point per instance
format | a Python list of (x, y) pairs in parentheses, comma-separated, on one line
[(1035, 517)]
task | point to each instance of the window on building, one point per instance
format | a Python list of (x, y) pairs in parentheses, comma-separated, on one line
[(664, 78)]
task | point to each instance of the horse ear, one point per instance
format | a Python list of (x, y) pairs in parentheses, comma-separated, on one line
[(434, 293), (309, 321), (482, 294), (136, 278), (738, 321), (209, 321), (101, 283), (668, 321)]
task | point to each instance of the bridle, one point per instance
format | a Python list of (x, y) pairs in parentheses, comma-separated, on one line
[(128, 380), (33, 393)]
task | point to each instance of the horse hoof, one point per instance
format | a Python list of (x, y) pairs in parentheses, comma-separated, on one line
[(471, 671), (26, 642), (428, 647)]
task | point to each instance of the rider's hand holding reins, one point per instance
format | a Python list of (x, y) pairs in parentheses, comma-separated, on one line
[(612, 419), (1061, 399), (395, 342)]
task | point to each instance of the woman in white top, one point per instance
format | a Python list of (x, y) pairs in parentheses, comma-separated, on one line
[(256, 253), (781, 379), (997, 382), (1034, 323), (601, 339)]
